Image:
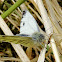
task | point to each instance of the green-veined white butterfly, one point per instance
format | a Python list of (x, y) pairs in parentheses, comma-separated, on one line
[(29, 32)]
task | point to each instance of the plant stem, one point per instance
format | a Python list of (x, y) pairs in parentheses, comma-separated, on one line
[(6, 13)]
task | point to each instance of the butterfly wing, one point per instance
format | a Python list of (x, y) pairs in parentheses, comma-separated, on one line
[(25, 41), (27, 27), (28, 24)]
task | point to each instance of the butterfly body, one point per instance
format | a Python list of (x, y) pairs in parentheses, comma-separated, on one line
[(38, 37)]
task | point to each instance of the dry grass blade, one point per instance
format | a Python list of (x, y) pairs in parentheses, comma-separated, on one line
[(55, 52), (47, 22), (17, 48), (48, 27), (11, 21), (10, 58), (57, 7), (53, 17), (34, 11), (42, 55), (4, 27), (21, 53), (35, 5)]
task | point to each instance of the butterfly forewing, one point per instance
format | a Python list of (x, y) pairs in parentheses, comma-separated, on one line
[(28, 24)]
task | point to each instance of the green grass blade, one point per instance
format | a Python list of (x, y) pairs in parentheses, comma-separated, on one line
[(13, 7)]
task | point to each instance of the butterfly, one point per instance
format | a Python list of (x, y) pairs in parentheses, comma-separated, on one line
[(29, 32)]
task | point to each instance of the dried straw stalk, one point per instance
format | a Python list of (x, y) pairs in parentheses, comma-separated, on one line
[(49, 31), (11, 21), (17, 47)]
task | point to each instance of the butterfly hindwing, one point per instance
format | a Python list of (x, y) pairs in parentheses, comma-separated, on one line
[(25, 41)]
